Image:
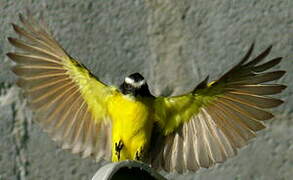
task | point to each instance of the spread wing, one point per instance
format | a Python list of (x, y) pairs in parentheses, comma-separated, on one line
[(209, 124), (69, 102)]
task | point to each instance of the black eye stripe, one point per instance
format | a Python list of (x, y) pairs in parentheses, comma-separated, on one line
[(127, 86)]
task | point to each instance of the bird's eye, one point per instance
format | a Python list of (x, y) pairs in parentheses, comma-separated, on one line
[(128, 86)]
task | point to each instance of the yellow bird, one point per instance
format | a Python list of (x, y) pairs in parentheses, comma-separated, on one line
[(180, 133)]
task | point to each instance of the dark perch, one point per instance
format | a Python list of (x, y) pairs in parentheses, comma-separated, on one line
[(130, 170)]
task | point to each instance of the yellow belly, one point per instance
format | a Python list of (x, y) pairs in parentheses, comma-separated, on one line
[(132, 124)]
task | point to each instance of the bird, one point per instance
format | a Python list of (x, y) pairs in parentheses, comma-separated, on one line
[(178, 133)]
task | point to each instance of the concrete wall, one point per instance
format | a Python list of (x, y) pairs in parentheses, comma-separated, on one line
[(174, 44)]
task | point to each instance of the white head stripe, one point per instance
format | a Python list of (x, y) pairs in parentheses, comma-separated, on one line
[(128, 80)]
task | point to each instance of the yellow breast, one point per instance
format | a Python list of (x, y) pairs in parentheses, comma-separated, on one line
[(132, 124)]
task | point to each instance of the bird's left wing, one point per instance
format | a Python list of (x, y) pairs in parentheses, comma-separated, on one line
[(69, 102), (209, 124)]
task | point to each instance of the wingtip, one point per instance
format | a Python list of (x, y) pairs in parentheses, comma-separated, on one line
[(247, 55), (10, 39), (267, 65), (14, 70), (207, 78), (260, 57), (9, 54), (283, 87), (252, 45), (277, 60), (283, 72), (269, 48), (15, 27), (280, 74), (281, 102)]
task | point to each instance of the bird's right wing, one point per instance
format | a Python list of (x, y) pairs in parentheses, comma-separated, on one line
[(69, 102)]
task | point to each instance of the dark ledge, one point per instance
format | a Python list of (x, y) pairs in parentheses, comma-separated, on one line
[(130, 170)]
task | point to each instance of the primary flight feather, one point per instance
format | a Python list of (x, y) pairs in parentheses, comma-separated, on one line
[(177, 133)]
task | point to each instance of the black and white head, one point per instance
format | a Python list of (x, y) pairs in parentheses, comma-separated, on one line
[(135, 85)]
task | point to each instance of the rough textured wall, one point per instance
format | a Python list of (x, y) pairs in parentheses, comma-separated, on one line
[(174, 44)]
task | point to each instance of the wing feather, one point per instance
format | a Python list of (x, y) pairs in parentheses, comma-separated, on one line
[(267, 65), (253, 100), (22, 58), (243, 121), (226, 136), (33, 48), (209, 124), (232, 130), (247, 110), (258, 78), (259, 89), (58, 90)]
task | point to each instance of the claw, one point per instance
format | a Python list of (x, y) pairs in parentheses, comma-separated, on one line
[(139, 154), (118, 148)]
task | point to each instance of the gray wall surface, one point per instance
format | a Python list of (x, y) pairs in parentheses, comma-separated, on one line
[(174, 44)]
